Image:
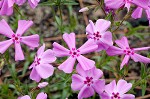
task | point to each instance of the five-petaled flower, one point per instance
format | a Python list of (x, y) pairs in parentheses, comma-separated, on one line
[(127, 51), (99, 34), (74, 53), (113, 91), (41, 67), (87, 82), (23, 25)]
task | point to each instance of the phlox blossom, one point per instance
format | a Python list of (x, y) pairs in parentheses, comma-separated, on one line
[(127, 51), (87, 82), (74, 53), (41, 67), (41, 95), (17, 38)]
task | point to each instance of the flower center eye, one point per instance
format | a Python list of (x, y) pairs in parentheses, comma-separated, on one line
[(97, 36), (88, 81), (129, 51), (16, 38), (74, 53), (37, 61), (115, 96)]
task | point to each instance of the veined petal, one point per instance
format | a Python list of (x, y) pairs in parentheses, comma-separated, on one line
[(4, 45), (95, 73), (48, 56), (5, 29), (111, 87), (123, 43), (77, 82), (99, 86), (85, 63), (70, 40), (123, 86), (23, 26), (86, 92), (140, 58), (67, 66), (107, 38), (127, 96), (90, 28), (80, 70), (41, 51), (141, 49), (31, 41), (59, 50), (34, 75), (102, 25), (137, 13), (125, 61), (18, 52), (45, 70), (141, 3), (114, 4), (113, 50), (41, 95), (88, 47)]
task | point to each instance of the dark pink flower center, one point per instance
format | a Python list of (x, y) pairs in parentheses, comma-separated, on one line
[(37, 61), (16, 38), (74, 52), (88, 81), (97, 36), (115, 96), (129, 51)]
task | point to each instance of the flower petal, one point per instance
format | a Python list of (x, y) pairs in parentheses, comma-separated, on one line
[(107, 38), (33, 3), (70, 40), (20, 2), (67, 66), (90, 28), (77, 82), (88, 47), (41, 51), (141, 3), (4, 45), (102, 25), (23, 26), (113, 50), (25, 97), (85, 63), (31, 41), (48, 56), (59, 50), (140, 58), (111, 87), (114, 4), (123, 86), (45, 70), (5, 29), (41, 95), (86, 92), (96, 73), (18, 52), (137, 13), (127, 96), (80, 70), (104, 95), (123, 43), (34, 75), (99, 86), (125, 61), (141, 49)]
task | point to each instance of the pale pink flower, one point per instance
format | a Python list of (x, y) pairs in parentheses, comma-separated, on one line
[(74, 53), (24, 97), (113, 91), (99, 34), (6, 7), (43, 84), (127, 51), (41, 95), (41, 67), (87, 82), (84, 9), (16, 38)]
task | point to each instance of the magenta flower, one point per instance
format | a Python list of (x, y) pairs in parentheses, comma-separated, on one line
[(113, 91), (127, 51), (23, 25), (43, 84), (41, 67), (87, 82), (99, 34), (6, 7), (41, 95), (32, 3), (74, 53)]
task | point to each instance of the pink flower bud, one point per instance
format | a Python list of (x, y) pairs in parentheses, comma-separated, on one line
[(84, 9), (43, 84)]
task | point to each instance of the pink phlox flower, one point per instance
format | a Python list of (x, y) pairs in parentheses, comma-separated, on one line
[(113, 91), (41, 67), (6, 7), (41, 95), (17, 38), (99, 34), (127, 51), (116, 4), (32, 3), (43, 84), (87, 82), (74, 53)]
